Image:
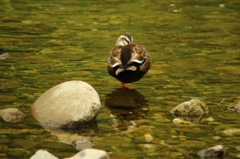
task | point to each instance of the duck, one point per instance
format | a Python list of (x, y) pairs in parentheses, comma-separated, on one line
[(128, 62)]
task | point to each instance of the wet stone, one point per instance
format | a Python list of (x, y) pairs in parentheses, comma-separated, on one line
[(193, 107), (237, 107), (11, 115), (148, 137), (238, 148), (232, 132), (215, 151)]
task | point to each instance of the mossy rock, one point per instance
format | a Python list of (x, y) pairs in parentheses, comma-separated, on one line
[(190, 108)]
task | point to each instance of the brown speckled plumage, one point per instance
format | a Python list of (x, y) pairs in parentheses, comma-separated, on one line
[(128, 62)]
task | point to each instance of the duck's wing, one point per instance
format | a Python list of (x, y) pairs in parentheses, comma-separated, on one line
[(141, 57), (114, 59)]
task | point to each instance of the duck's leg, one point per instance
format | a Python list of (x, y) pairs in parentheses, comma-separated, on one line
[(123, 85)]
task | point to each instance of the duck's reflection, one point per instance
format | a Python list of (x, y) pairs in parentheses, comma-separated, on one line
[(80, 138), (127, 107)]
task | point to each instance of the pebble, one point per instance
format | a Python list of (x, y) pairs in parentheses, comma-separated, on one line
[(148, 137), (216, 137), (11, 115), (238, 148), (232, 132)]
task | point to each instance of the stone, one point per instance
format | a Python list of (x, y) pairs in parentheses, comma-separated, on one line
[(238, 148), (193, 107), (237, 107), (82, 144), (70, 104), (232, 132), (216, 137), (215, 151), (3, 54), (180, 121), (148, 137), (43, 154), (11, 115), (90, 154)]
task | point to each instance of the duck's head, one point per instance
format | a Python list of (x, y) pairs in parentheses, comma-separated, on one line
[(124, 39)]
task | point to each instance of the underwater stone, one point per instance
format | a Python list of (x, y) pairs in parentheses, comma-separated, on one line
[(215, 151), (82, 144), (90, 154), (68, 105), (43, 154), (232, 132), (193, 107), (237, 107), (11, 115), (148, 137)]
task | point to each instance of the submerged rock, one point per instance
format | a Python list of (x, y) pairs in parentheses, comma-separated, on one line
[(193, 107), (3, 54), (90, 154), (68, 105), (180, 121), (232, 132), (215, 152), (148, 137), (11, 115), (237, 107), (81, 137)]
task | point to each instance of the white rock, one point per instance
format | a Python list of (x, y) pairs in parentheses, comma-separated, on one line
[(11, 115), (90, 154), (67, 105), (42, 154)]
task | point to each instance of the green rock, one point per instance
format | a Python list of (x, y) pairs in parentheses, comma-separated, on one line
[(193, 107)]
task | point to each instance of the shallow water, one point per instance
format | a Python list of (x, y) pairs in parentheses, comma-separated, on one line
[(195, 50)]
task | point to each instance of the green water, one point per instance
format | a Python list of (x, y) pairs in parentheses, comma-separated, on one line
[(195, 48)]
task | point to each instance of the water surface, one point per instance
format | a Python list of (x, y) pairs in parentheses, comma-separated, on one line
[(195, 50)]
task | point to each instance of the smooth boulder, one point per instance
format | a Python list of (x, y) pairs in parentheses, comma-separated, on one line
[(68, 105)]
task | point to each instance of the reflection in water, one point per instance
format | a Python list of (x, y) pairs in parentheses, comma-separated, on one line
[(80, 138), (127, 107)]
